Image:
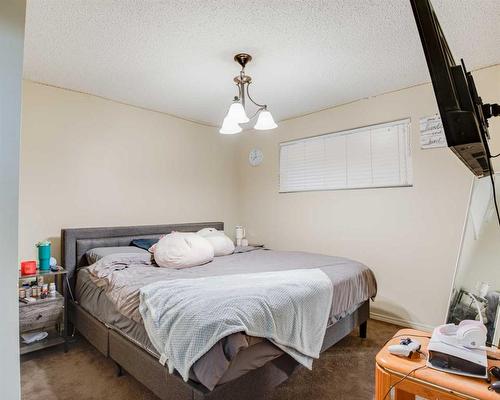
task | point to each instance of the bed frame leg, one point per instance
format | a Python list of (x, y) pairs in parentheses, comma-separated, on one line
[(362, 330), (119, 370)]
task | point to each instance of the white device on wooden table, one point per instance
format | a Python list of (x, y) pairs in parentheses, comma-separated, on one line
[(460, 349), (405, 348)]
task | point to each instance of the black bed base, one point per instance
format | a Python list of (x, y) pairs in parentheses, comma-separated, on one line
[(257, 384)]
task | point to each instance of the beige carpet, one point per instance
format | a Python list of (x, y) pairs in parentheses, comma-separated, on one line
[(345, 371)]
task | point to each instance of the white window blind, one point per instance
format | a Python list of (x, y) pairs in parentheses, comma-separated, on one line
[(373, 156)]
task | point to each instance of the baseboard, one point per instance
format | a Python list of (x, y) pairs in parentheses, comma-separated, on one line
[(401, 322)]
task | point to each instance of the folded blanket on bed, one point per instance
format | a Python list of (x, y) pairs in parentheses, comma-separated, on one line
[(184, 318)]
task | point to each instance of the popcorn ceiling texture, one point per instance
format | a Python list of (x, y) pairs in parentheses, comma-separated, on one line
[(176, 56)]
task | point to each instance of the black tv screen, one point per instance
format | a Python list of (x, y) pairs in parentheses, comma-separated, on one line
[(463, 114)]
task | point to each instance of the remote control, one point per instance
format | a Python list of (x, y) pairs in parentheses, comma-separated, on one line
[(405, 348)]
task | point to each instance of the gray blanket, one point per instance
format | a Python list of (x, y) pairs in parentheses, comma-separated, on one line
[(352, 281), (185, 318)]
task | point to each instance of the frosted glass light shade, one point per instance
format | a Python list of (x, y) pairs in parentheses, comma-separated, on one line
[(265, 121), (237, 113), (229, 127)]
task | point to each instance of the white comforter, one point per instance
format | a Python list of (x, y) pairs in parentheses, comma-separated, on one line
[(184, 318)]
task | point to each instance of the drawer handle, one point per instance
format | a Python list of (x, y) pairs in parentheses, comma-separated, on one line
[(39, 316)]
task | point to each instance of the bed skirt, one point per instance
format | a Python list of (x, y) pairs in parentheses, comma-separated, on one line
[(143, 366)]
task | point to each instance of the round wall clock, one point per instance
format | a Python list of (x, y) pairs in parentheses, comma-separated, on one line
[(255, 157)]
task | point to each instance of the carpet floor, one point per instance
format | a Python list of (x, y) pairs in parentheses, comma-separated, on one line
[(345, 371)]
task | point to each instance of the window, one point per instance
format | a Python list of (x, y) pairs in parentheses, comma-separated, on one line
[(373, 156)]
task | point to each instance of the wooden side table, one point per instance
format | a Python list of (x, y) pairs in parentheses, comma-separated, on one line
[(426, 382)]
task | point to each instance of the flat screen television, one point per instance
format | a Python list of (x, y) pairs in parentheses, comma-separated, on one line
[(463, 114)]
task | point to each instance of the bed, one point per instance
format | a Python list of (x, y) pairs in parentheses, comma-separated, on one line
[(252, 374)]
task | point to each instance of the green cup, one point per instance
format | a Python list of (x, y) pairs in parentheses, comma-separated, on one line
[(43, 255)]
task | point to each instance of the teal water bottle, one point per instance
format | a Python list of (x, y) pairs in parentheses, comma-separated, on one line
[(43, 255)]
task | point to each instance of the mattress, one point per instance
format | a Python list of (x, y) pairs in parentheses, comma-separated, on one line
[(353, 283)]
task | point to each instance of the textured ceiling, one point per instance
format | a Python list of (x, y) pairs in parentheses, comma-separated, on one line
[(176, 56)]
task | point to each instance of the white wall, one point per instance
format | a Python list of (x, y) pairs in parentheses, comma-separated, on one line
[(410, 237), (12, 14), (87, 161)]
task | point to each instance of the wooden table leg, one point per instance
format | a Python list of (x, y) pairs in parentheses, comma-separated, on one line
[(402, 395), (382, 384)]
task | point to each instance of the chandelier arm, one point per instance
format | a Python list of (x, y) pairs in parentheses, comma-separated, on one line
[(255, 113), (261, 106), (239, 92)]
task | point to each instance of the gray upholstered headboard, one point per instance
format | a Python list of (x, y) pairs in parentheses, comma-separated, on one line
[(77, 241)]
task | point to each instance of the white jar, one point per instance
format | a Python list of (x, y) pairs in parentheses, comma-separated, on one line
[(240, 234), (52, 289)]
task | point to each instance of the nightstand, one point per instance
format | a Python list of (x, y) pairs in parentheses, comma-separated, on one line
[(44, 314), (410, 377)]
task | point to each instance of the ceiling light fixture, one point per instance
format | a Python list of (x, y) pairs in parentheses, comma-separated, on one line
[(237, 114)]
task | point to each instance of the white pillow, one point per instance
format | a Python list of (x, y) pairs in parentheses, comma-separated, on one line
[(221, 243), (207, 231), (183, 250)]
